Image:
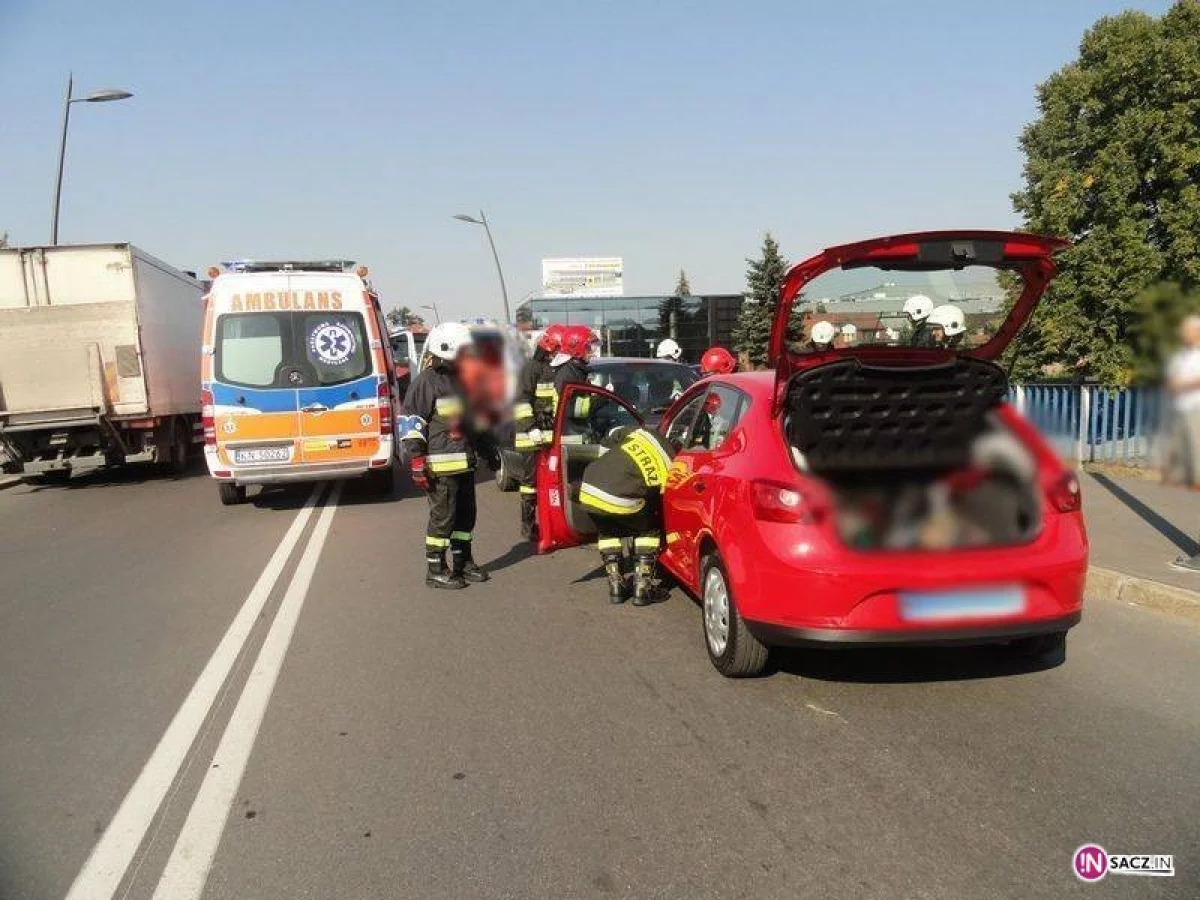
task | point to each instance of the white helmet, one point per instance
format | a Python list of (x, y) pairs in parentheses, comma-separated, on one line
[(849, 330), (950, 318), (447, 339), (669, 349), (823, 332), (918, 307)]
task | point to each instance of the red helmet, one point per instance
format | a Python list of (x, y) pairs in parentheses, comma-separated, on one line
[(717, 361), (579, 341), (551, 339)]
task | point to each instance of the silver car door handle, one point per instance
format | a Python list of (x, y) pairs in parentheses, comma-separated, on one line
[(314, 408)]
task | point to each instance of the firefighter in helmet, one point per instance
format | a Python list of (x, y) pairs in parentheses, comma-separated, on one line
[(622, 492), (442, 442), (533, 416), (717, 361)]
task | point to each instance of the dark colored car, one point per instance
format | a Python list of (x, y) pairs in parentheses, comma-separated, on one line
[(648, 385)]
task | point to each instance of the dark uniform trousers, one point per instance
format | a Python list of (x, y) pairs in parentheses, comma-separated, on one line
[(451, 513)]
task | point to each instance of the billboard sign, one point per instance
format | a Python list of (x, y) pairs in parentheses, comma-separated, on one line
[(583, 276)]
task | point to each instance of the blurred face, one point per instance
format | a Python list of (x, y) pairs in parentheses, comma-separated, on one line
[(1189, 331)]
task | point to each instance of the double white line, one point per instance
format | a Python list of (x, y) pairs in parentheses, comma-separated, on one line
[(190, 861)]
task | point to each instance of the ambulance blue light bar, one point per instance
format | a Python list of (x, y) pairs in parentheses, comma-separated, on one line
[(322, 265)]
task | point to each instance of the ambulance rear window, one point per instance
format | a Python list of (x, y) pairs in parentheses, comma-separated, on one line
[(290, 350)]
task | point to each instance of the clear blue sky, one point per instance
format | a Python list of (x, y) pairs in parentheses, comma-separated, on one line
[(670, 133)]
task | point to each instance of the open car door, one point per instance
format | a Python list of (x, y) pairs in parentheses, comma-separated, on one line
[(586, 416)]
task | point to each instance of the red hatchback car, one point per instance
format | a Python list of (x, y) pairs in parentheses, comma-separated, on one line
[(875, 488)]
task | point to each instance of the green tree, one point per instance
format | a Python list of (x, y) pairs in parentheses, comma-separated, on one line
[(683, 287), (1113, 162), (764, 278), (672, 312), (402, 317)]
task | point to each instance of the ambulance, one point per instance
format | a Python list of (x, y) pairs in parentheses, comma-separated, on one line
[(297, 376)]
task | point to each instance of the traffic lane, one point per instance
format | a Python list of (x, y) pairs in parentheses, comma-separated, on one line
[(117, 590), (463, 744), (522, 738)]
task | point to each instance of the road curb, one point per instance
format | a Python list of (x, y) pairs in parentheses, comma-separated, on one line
[(7, 481), (1143, 592)]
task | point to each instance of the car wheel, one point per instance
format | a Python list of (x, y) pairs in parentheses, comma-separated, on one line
[(504, 479), (381, 482), (231, 494), (732, 649), (1038, 646)]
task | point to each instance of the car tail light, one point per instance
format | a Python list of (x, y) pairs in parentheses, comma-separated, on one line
[(774, 502), (1065, 494), (206, 418), (385, 408)]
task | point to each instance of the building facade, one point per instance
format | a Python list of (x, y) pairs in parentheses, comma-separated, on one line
[(633, 326)]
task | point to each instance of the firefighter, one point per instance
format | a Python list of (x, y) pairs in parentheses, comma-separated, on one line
[(533, 416), (579, 345), (917, 308), (441, 443), (669, 349), (622, 492), (946, 327), (717, 361)]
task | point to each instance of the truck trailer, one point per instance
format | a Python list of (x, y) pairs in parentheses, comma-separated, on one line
[(98, 348)]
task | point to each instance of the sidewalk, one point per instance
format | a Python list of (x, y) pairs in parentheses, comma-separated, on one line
[(1137, 528)]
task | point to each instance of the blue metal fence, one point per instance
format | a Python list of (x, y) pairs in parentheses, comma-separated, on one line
[(1094, 423)]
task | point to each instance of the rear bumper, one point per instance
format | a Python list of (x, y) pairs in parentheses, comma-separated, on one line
[(293, 474), (789, 636)]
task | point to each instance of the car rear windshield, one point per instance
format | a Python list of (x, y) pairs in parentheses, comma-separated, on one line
[(291, 350), (868, 306), (650, 387)]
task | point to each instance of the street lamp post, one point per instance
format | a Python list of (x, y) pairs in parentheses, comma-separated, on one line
[(95, 97), (482, 220), (437, 317)]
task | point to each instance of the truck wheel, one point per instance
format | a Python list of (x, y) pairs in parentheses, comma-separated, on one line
[(231, 494), (732, 649), (176, 463), (504, 478)]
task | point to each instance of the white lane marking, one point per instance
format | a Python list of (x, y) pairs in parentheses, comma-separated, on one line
[(187, 870), (109, 860)]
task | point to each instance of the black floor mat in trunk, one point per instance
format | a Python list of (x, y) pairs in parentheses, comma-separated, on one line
[(845, 416)]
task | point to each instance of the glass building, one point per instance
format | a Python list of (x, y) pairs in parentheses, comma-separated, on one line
[(633, 326)]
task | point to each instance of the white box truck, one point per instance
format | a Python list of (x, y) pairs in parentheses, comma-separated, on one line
[(98, 347)]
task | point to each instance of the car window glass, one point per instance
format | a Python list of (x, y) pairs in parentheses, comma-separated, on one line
[(250, 349), (590, 418), (335, 347), (720, 411), (677, 430)]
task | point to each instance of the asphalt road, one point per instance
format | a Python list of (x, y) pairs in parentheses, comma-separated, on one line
[(180, 716)]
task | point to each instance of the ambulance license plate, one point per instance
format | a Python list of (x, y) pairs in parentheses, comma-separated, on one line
[(262, 454), (982, 603)]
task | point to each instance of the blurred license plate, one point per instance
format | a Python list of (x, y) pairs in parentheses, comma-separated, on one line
[(262, 454), (931, 606)]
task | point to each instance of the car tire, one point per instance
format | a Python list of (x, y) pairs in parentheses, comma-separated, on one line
[(504, 479), (231, 494), (381, 482), (732, 649), (1039, 646)]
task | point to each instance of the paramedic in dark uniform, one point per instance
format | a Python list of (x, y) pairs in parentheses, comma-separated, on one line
[(622, 492), (441, 443), (533, 417)]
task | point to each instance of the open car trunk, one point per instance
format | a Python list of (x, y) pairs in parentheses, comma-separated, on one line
[(915, 457)]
